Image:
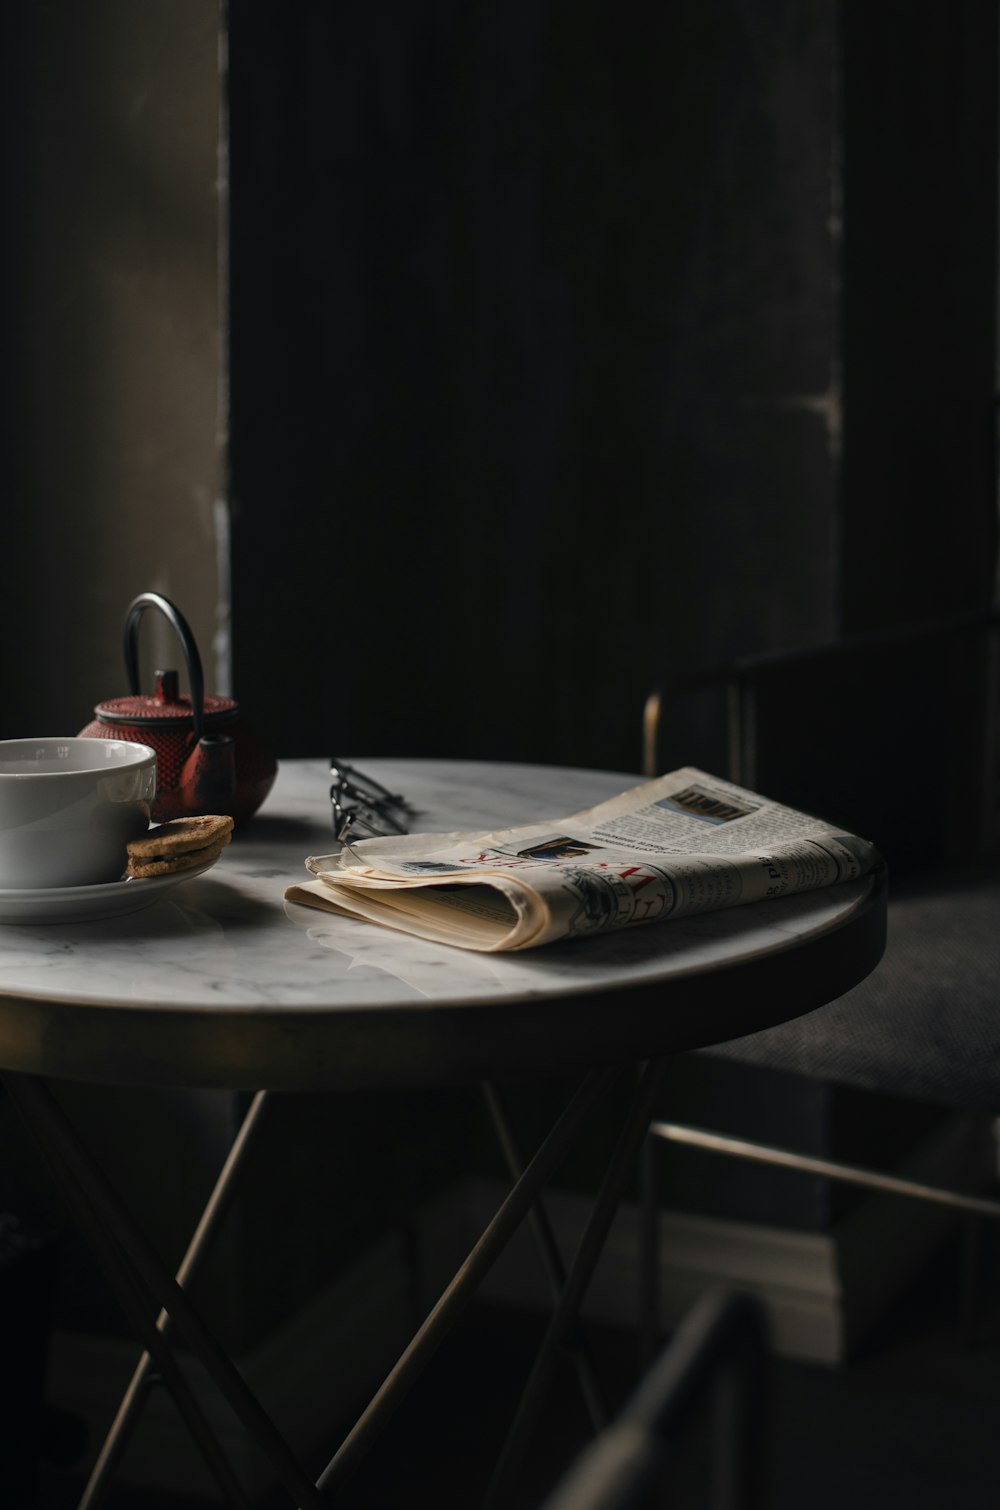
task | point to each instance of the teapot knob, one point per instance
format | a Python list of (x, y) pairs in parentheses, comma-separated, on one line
[(168, 688)]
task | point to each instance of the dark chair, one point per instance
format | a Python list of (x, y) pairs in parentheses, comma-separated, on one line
[(894, 735), (717, 1358)]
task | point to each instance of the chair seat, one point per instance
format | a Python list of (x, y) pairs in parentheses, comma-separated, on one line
[(926, 1022)]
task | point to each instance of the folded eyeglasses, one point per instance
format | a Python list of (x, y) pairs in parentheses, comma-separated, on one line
[(362, 807)]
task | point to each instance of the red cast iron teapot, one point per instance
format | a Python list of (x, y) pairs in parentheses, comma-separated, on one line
[(207, 760)]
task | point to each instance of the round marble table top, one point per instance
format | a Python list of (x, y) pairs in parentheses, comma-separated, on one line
[(221, 982)]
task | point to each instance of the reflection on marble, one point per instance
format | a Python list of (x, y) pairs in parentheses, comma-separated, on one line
[(229, 939)]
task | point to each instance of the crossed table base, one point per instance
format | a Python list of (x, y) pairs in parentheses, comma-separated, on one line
[(610, 1008)]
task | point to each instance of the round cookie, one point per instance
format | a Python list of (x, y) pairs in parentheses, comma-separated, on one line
[(180, 844)]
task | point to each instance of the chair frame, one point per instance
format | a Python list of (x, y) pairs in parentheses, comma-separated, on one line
[(718, 1354), (738, 676), (738, 682)]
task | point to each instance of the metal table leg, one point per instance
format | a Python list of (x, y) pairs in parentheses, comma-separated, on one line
[(446, 1312), (620, 1165), (137, 1392), (134, 1271), (142, 1284), (551, 1259)]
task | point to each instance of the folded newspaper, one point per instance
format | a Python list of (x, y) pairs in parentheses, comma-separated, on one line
[(680, 844)]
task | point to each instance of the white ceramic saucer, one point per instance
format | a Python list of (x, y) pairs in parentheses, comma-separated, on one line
[(77, 904)]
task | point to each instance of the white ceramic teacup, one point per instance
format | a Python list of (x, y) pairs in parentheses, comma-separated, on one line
[(68, 807)]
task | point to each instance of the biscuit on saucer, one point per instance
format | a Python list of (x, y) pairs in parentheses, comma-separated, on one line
[(180, 844)]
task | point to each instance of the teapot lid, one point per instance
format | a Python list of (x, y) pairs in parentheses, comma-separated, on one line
[(166, 707)]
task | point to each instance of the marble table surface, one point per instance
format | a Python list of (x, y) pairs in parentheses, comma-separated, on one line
[(222, 982)]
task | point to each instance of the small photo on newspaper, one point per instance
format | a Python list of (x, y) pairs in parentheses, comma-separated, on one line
[(683, 843)]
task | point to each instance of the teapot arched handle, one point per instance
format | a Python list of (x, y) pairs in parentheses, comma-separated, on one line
[(130, 640)]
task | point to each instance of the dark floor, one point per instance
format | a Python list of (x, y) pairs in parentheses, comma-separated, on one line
[(911, 1424)]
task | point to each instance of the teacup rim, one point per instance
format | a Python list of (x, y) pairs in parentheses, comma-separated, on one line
[(129, 755)]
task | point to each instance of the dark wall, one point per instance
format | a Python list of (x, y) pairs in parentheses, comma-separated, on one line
[(534, 328), (920, 271), (109, 291)]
